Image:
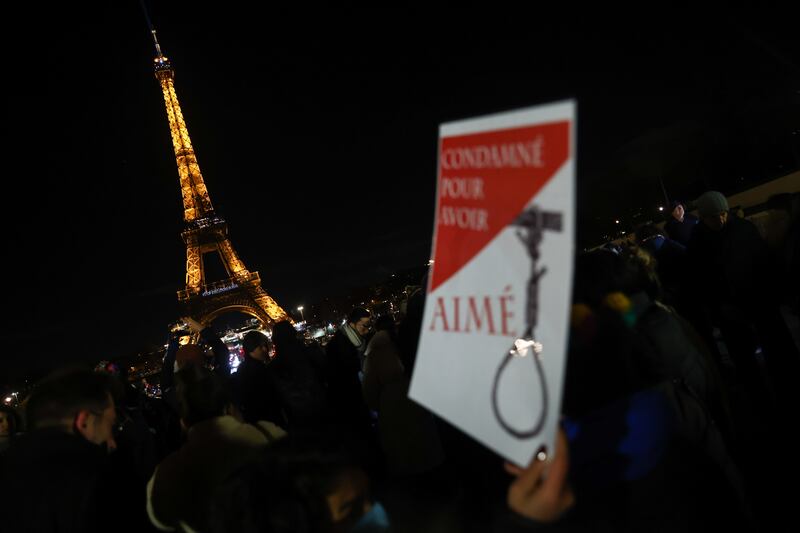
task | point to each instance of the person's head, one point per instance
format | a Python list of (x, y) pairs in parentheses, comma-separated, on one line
[(408, 332), (256, 345), (299, 485), (189, 353), (359, 319), (781, 214), (782, 202), (600, 272), (712, 207), (201, 394), (284, 334), (385, 323), (78, 401), (678, 211), (607, 358), (348, 499)]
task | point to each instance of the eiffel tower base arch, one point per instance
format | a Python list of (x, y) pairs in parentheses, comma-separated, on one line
[(205, 308)]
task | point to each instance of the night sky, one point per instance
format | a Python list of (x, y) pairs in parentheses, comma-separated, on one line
[(316, 133)]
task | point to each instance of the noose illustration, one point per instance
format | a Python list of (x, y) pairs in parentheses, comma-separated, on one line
[(531, 225)]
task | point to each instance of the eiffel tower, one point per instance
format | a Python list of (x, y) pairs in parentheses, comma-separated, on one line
[(206, 232)]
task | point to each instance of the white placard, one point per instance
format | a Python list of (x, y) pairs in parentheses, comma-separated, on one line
[(501, 278)]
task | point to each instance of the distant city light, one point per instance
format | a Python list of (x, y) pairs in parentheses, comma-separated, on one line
[(616, 222), (660, 208)]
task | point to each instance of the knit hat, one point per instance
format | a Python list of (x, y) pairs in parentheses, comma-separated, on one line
[(711, 203), (189, 352), (252, 340)]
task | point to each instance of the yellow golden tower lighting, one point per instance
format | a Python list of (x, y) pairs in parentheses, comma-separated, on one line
[(205, 231)]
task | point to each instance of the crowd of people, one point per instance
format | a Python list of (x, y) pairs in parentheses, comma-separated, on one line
[(678, 386)]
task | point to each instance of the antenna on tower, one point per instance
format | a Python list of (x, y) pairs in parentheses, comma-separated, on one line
[(155, 39), (150, 26)]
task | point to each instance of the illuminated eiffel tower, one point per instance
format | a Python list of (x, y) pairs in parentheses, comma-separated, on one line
[(206, 232)]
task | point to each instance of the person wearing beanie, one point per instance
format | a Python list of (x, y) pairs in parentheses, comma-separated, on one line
[(254, 392), (735, 286), (712, 207)]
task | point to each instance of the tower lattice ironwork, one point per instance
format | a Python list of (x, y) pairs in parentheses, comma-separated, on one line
[(206, 232)]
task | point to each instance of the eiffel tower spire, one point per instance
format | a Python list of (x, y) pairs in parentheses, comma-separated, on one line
[(205, 231), (196, 202)]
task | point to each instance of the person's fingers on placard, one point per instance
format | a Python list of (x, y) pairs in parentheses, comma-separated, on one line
[(555, 486), (558, 466), (530, 477), (540, 491)]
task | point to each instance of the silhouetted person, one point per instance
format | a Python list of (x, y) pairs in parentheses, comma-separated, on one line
[(782, 234), (300, 486), (9, 427), (136, 446), (670, 256), (681, 224), (297, 378), (254, 391), (58, 476), (182, 488), (344, 354), (414, 491), (734, 282), (645, 453), (180, 350), (408, 434)]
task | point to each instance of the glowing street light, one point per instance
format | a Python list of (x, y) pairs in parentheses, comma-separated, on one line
[(300, 308), (661, 208), (616, 222)]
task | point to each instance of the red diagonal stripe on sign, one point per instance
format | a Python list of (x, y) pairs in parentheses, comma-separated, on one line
[(485, 180)]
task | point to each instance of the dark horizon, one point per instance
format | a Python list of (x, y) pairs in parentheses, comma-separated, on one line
[(317, 140)]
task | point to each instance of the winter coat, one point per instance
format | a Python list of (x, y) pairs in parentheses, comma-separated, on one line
[(60, 482)]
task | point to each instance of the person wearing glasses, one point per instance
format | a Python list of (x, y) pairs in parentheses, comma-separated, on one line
[(58, 476), (344, 358)]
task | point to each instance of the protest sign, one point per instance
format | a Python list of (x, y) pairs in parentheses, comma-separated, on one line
[(494, 333)]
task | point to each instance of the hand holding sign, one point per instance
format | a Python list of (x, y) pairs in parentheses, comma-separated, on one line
[(540, 492)]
